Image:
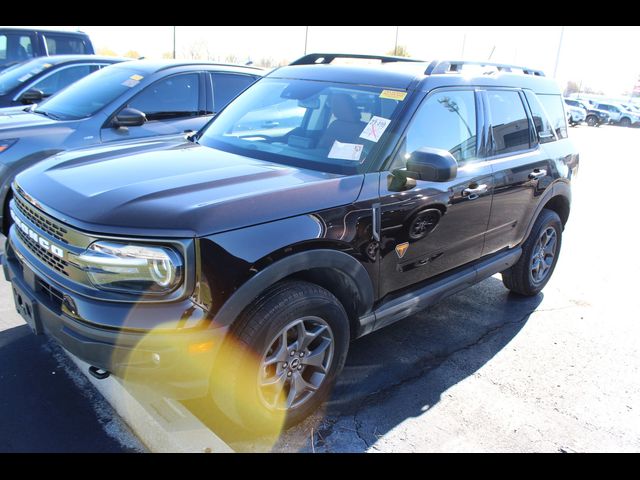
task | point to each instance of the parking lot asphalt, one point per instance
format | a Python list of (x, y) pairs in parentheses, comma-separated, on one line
[(483, 370), (46, 403)]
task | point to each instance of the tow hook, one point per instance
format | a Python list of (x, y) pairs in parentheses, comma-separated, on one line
[(98, 373)]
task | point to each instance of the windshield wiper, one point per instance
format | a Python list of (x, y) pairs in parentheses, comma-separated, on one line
[(53, 116)]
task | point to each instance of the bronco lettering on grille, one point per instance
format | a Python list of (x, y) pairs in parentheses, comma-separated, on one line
[(33, 235)]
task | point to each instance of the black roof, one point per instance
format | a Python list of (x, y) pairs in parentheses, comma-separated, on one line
[(395, 72)]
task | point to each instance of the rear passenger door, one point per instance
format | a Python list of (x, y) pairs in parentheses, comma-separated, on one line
[(173, 105), (521, 168)]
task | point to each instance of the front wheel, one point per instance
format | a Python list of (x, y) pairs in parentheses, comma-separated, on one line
[(592, 121), (282, 357), (625, 122), (539, 256)]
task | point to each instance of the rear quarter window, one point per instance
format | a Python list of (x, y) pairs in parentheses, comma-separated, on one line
[(543, 125), (555, 109)]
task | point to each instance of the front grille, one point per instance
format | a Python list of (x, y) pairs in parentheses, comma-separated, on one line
[(41, 221), (54, 294), (46, 256)]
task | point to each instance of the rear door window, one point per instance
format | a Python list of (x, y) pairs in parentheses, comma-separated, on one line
[(509, 122), (64, 45)]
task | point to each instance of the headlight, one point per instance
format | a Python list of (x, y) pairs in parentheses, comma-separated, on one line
[(132, 268), (6, 143)]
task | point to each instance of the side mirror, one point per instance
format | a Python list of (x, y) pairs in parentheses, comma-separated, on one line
[(432, 164), (33, 95), (129, 117)]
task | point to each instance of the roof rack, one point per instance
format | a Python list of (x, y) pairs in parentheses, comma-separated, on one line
[(454, 66), (324, 58)]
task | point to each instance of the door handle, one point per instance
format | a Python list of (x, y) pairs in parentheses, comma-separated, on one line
[(376, 221), (474, 192), (538, 173)]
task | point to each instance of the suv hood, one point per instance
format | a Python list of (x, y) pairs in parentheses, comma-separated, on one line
[(11, 117), (168, 189)]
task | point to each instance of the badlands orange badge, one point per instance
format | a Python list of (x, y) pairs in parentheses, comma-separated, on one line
[(401, 249)]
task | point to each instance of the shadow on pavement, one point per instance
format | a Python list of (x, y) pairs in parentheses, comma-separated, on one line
[(389, 360), (41, 410)]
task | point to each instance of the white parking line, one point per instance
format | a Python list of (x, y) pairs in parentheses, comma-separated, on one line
[(164, 425)]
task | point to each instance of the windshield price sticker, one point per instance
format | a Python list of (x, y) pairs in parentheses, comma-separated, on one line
[(375, 128), (346, 151), (393, 94)]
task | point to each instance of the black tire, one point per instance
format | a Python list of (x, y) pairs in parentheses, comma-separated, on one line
[(625, 122), (520, 278), (7, 221), (235, 379), (592, 121)]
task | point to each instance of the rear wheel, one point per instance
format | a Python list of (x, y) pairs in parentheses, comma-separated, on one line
[(282, 358), (539, 256)]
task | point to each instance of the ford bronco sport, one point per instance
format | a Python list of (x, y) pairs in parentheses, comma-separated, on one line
[(327, 201)]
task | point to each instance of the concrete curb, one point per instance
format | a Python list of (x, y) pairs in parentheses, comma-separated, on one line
[(164, 425)]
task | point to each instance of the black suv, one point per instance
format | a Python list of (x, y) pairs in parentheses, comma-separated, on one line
[(325, 202), (20, 44)]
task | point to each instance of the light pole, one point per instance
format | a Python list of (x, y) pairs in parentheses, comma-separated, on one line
[(306, 36), (395, 50), (555, 70), (174, 42)]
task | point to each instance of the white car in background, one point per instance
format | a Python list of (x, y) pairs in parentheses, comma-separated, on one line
[(620, 115), (575, 115)]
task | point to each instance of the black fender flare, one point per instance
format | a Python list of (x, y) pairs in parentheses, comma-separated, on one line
[(558, 189), (298, 262)]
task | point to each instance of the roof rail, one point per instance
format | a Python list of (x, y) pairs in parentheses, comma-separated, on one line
[(324, 58), (454, 66)]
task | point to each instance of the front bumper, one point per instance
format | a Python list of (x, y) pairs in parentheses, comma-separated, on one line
[(176, 363)]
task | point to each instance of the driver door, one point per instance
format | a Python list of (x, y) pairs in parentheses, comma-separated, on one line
[(173, 105), (428, 228)]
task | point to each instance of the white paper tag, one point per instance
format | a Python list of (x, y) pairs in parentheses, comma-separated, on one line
[(375, 128), (24, 78), (129, 82), (346, 151)]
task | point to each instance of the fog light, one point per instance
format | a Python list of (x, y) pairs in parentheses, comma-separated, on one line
[(200, 347), (155, 357)]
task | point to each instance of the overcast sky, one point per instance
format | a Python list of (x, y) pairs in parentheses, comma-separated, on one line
[(602, 57)]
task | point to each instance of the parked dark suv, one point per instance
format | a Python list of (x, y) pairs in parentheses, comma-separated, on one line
[(241, 264), (20, 44)]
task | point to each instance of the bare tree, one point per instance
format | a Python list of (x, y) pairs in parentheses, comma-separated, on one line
[(197, 50), (401, 51)]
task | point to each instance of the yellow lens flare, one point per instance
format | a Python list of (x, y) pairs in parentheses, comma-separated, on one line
[(239, 383)]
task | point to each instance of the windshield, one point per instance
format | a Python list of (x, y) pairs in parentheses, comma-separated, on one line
[(91, 93), (16, 75), (332, 127)]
